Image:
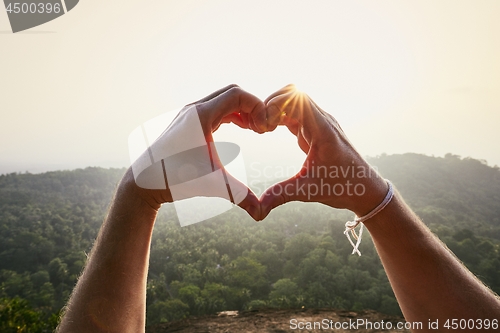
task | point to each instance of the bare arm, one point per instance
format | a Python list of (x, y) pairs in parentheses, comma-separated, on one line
[(428, 280), (110, 295)]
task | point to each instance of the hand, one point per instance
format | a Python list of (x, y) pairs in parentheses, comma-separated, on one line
[(183, 162), (334, 173)]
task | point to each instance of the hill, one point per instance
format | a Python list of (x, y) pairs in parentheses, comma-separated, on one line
[(297, 258), (448, 191)]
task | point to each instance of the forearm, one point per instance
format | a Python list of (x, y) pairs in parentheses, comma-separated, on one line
[(110, 294), (428, 280)]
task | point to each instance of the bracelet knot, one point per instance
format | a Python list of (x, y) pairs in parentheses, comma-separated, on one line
[(350, 226)]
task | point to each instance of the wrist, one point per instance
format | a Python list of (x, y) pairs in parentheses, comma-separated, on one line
[(375, 191), (130, 192)]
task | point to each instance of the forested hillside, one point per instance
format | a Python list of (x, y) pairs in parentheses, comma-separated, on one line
[(297, 257), (449, 191)]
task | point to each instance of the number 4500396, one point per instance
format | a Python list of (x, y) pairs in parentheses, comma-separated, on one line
[(33, 8), (479, 324)]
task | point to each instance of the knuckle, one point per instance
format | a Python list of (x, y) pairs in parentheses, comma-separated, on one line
[(233, 85), (234, 91)]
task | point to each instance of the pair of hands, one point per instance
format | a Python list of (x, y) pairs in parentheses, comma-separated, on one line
[(334, 173)]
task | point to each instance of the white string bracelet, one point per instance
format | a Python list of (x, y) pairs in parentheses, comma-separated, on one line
[(351, 225)]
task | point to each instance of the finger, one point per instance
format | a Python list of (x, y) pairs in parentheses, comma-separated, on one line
[(244, 120), (292, 124), (303, 144), (298, 106), (292, 189), (286, 89), (292, 103), (241, 195), (236, 191), (251, 205), (238, 119), (296, 129), (233, 100), (215, 94), (258, 121), (274, 117), (270, 119)]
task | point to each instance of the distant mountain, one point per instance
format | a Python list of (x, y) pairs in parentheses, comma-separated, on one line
[(450, 191), (81, 185)]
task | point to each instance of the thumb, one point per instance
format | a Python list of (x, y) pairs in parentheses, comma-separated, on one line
[(242, 196), (292, 189), (251, 205)]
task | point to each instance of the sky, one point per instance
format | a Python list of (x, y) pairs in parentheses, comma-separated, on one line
[(400, 76)]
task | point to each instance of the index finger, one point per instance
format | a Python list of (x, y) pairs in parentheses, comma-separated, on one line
[(232, 100), (215, 94), (286, 89), (295, 105)]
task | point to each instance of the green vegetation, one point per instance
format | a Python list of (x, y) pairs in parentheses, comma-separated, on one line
[(298, 257)]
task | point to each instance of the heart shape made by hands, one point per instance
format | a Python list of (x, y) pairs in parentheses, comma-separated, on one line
[(184, 160)]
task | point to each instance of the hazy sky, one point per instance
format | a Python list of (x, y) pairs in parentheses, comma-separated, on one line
[(400, 76)]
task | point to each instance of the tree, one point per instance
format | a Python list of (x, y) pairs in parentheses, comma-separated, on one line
[(16, 316), (247, 273), (285, 292)]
